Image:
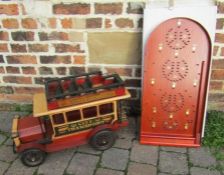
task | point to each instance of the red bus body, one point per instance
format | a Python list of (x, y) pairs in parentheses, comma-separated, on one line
[(31, 131)]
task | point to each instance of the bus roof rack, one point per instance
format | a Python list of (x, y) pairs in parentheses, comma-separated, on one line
[(65, 90)]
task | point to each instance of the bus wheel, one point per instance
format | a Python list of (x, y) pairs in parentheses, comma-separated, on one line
[(33, 157), (103, 140)]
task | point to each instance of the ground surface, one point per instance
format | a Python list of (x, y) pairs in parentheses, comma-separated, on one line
[(127, 157)]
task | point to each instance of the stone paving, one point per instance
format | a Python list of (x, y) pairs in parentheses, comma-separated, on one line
[(126, 157)]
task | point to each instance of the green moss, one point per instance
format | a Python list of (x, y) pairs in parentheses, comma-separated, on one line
[(26, 108), (16, 107)]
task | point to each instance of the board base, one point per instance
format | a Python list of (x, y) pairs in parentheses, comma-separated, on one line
[(168, 141)]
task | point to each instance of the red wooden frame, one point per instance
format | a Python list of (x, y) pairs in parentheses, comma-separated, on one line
[(176, 72)]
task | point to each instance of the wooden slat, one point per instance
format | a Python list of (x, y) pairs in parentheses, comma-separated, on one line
[(85, 98), (40, 105), (17, 141), (14, 125)]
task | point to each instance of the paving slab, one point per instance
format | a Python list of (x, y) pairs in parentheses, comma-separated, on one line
[(144, 153), (6, 120), (141, 169), (103, 171), (2, 138), (17, 168), (6, 154), (8, 142), (115, 158), (82, 164), (56, 163), (174, 149), (128, 132), (88, 149), (3, 166), (123, 143), (201, 157), (203, 171), (173, 163)]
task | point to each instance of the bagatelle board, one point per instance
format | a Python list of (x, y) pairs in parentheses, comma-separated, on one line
[(175, 80)]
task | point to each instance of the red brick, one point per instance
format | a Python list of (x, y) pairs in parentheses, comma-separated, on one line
[(18, 48), (18, 80), (4, 48), (45, 71), (23, 59), (220, 23), (218, 64), (10, 9), (76, 70), (216, 85), (29, 23), (2, 71), (4, 36), (124, 23), (219, 38), (108, 8), (219, 106), (92, 23), (61, 48), (79, 59), (108, 23), (120, 71), (23, 36), (222, 51), (53, 36), (220, 7), (217, 74), (28, 90), (66, 23), (135, 7), (24, 98), (215, 50), (216, 97), (38, 47), (93, 69), (52, 23), (39, 80), (29, 70), (61, 70), (55, 59), (10, 23), (6, 90), (12, 70), (1, 59), (70, 9)]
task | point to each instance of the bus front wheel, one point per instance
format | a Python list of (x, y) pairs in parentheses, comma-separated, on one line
[(103, 140), (33, 157)]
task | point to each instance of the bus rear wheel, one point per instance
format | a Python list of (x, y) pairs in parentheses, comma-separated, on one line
[(103, 140), (33, 157)]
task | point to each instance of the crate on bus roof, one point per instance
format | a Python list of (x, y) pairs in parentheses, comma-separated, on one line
[(82, 88)]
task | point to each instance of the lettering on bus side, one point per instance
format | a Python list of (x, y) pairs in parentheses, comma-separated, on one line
[(82, 125)]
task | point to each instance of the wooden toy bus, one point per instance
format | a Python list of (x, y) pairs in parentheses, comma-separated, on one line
[(74, 110)]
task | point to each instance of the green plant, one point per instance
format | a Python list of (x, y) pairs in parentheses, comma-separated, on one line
[(214, 136), (214, 130)]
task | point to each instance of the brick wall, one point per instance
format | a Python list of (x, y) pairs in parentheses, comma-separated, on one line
[(43, 39)]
